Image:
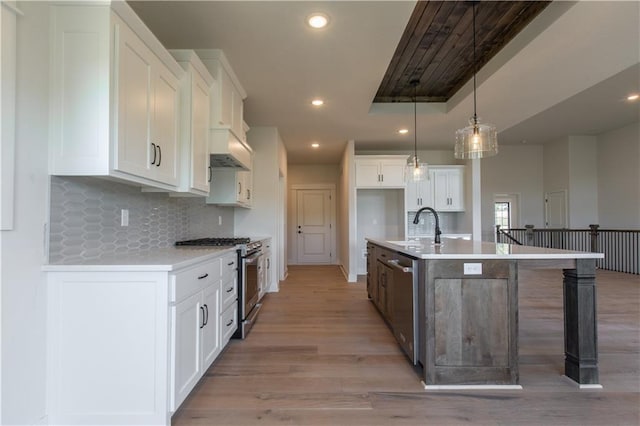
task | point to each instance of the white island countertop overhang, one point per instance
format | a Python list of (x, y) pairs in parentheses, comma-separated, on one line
[(455, 248)]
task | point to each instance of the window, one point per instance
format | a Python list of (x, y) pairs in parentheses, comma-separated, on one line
[(503, 214)]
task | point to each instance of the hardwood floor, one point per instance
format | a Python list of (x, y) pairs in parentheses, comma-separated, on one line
[(320, 354)]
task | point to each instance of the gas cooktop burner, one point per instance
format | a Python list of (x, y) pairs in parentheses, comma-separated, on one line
[(214, 242)]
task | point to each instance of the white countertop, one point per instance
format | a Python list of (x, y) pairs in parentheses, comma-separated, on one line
[(163, 259), (424, 248)]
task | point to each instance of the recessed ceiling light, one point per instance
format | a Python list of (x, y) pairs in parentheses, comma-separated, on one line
[(317, 102), (317, 20), (315, 145), (403, 131), (633, 97)]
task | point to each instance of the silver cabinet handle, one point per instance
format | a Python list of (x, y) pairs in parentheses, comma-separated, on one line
[(394, 263)]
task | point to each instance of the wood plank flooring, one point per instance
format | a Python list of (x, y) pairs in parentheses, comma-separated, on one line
[(320, 354)]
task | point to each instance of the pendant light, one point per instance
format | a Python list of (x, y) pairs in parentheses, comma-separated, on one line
[(476, 140), (416, 171)]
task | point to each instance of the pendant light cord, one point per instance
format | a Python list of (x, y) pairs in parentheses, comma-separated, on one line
[(475, 117), (415, 123)]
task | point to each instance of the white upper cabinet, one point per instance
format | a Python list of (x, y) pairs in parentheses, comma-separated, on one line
[(231, 187), (228, 95), (448, 188), (114, 97), (228, 144), (380, 171), (194, 123), (419, 194)]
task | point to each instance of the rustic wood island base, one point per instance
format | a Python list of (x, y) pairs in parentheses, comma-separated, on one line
[(464, 305)]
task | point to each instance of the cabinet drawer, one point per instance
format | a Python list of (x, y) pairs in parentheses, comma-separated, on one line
[(229, 292), (187, 282), (229, 264), (228, 323)]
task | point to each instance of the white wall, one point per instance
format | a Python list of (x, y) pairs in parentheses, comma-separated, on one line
[(313, 173), (583, 188), (515, 170), (570, 164), (619, 178), (380, 214), (268, 207), (346, 214), (23, 252), (556, 165)]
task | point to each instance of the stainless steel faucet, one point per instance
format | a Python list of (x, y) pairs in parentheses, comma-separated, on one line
[(416, 220)]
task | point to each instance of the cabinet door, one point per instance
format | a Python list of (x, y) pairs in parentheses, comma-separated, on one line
[(236, 114), (243, 188), (412, 196), (211, 340), (267, 274), (448, 190), (226, 99), (135, 154), (164, 133), (367, 173), (200, 133), (187, 320), (392, 173), (455, 190)]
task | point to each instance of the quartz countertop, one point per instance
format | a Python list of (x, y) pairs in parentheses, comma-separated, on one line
[(161, 259), (424, 248)]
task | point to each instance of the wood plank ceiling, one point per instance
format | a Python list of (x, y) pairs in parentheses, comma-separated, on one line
[(437, 46)]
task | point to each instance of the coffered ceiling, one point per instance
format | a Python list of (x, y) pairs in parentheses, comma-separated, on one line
[(573, 63)]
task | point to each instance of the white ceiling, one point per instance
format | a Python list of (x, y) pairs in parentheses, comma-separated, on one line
[(568, 72)]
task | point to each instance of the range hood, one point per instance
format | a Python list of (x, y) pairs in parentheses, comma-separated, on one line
[(227, 151)]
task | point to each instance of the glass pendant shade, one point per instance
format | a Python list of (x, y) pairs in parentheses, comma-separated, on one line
[(416, 171), (476, 141)]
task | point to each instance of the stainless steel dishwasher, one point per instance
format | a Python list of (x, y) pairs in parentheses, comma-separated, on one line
[(405, 288)]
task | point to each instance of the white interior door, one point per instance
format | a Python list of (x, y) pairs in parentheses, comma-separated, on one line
[(313, 228), (556, 209)]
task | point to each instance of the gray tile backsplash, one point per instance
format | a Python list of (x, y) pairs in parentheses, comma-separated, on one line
[(85, 219)]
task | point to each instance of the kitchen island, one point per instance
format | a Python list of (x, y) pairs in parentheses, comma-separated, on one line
[(453, 307)]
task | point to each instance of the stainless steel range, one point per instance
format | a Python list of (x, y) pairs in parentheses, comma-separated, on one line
[(249, 253)]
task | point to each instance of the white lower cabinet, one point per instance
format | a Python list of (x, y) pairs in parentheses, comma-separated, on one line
[(229, 298), (108, 348), (195, 340), (128, 346), (195, 330)]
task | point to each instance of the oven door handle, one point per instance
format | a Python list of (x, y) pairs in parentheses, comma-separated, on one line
[(252, 258)]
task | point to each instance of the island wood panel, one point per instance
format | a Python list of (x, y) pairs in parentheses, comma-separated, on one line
[(471, 323)]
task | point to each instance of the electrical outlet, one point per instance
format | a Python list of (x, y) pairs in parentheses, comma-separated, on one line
[(219, 220), (473, 268), (124, 217)]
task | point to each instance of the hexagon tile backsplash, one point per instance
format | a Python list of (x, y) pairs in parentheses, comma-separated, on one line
[(86, 212)]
